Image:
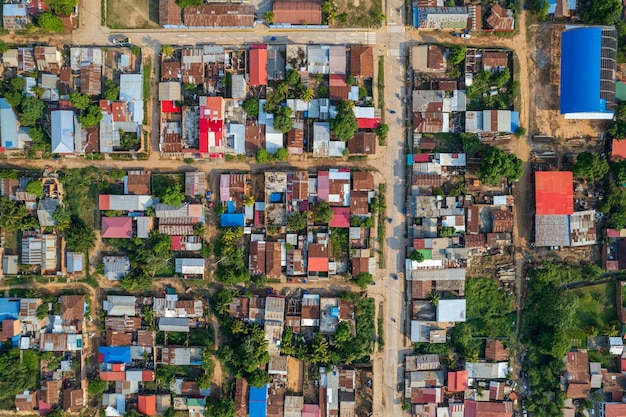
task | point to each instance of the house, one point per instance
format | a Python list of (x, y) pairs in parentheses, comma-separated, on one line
[(428, 58), (72, 308), (451, 311), (124, 202), (457, 381), (11, 136), (14, 16), (491, 121), (341, 217), (50, 393), (219, 15), (485, 371), (117, 227), (362, 61), (115, 267), (297, 12), (318, 258), (258, 65), (26, 400), (131, 91), (502, 221), (495, 61), (495, 351), (257, 402), (170, 14), (60, 342), (433, 18), (588, 62), (488, 408), (137, 182), (363, 143), (62, 132), (501, 19), (91, 79), (45, 212), (146, 404), (73, 400), (211, 126), (40, 250), (295, 141), (120, 305), (195, 183), (190, 266)]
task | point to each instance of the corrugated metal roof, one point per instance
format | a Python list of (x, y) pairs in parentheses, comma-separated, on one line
[(62, 131), (219, 15)]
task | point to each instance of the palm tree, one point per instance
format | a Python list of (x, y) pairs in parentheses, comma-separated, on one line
[(249, 201), (283, 89), (591, 331), (198, 230), (610, 330), (331, 16), (327, 7), (237, 326), (319, 349), (433, 298), (307, 94), (167, 50), (269, 17)]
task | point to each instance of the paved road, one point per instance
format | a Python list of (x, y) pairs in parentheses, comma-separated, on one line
[(394, 41)]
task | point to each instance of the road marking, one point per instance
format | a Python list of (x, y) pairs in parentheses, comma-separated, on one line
[(395, 28)]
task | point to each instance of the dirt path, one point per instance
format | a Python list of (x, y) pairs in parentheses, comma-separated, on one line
[(218, 375)]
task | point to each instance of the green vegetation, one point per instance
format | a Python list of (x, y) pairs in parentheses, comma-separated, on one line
[(31, 111), (297, 221), (590, 166), (282, 119), (615, 204), (251, 106), (339, 243), (490, 309), (480, 96), (50, 23), (362, 222), (605, 12), (16, 216), (382, 132), (79, 236), (168, 189), (231, 267), (447, 231), (496, 164), (539, 7), (416, 256), (246, 352), (111, 90), (457, 54), (35, 187), (595, 313), (59, 7), (79, 100), (167, 50), (363, 280), (263, 157), (96, 387), (83, 184), (224, 407), (269, 17), (345, 123), (322, 213), (91, 117), (186, 3), (17, 374)]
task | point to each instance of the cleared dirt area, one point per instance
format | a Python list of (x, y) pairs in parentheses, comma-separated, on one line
[(296, 372), (359, 13), (132, 14), (364, 392), (544, 82)]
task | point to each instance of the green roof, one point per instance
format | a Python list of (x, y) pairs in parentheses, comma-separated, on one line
[(426, 253)]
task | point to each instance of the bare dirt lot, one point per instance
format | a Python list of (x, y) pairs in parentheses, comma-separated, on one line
[(359, 13), (544, 82), (132, 14), (296, 370)]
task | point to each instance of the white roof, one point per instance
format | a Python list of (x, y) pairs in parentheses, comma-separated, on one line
[(364, 112), (17, 10), (120, 305), (192, 266), (481, 370), (450, 159), (237, 133), (274, 139), (131, 90), (62, 131), (451, 311)]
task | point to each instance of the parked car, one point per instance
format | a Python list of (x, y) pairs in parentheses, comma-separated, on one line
[(465, 35), (121, 41)]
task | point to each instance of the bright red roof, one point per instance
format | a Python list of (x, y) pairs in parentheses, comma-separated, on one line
[(117, 227), (614, 410), (176, 242), (341, 217), (211, 132), (112, 376), (169, 106), (619, 149), (318, 264), (554, 192), (104, 201), (258, 66), (421, 157), (457, 381), (369, 123), (146, 404)]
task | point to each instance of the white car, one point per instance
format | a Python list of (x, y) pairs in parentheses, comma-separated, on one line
[(465, 35)]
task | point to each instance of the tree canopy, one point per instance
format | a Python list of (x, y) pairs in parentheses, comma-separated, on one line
[(16, 216), (168, 190), (297, 221), (50, 23), (79, 237), (251, 106), (496, 164), (322, 212), (79, 100), (186, 3), (345, 123), (32, 111), (231, 267), (35, 187), (224, 407), (111, 90), (59, 7), (281, 155), (363, 280), (590, 166), (416, 256), (92, 117), (262, 156), (603, 12), (282, 119), (457, 54)]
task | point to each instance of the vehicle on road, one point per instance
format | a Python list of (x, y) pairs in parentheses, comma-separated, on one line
[(466, 35), (389, 219), (394, 276), (273, 38), (121, 41), (392, 111)]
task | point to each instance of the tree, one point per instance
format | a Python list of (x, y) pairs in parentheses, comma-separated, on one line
[(457, 54), (345, 123), (79, 236), (251, 106), (447, 231), (382, 131), (322, 213), (96, 387), (282, 154), (4, 46), (258, 378), (297, 221), (224, 407), (222, 300), (269, 17), (167, 50), (497, 164), (35, 187), (186, 3), (520, 131), (327, 7), (416, 256), (320, 349), (363, 280), (307, 94), (50, 23), (283, 89), (32, 111), (60, 7), (249, 201), (79, 100), (63, 218), (14, 98), (169, 191), (16, 216), (605, 12), (92, 117), (292, 78), (262, 156), (111, 90), (282, 119), (617, 218), (590, 166), (433, 298), (499, 79)]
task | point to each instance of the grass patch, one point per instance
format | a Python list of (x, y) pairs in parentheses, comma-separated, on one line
[(381, 87), (11, 241), (147, 74), (338, 242), (135, 14), (18, 280), (382, 220), (596, 308), (91, 281)]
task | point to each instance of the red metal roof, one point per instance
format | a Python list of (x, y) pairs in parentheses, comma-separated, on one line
[(258, 65), (210, 134), (113, 376), (176, 242), (117, 227), (169, 106), (421, 157), (457, 381), (341, 217), (372, 123), (146, 404), (554, 192), (619, 149)]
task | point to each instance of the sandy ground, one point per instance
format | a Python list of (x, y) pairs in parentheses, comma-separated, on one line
[(295, 375)]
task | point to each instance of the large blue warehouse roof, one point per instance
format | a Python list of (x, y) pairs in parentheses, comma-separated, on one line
[(580, 71)]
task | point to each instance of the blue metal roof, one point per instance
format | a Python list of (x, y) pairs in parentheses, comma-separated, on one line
[(232, 220), (551, 6), (9, 309), (111, 354), (258, 402), (580, 71)]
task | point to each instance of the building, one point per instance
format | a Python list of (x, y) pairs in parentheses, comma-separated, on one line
[(433, 18), (124, 202), (137, 182), (258, 65), (14, 16), (501, 19), (11, 136), (219, 15), (117, 227), (297, 12), (115, 267), (491, 121), (554, 192), (362, 61), (488, 408), (588, 65), (363, 143), (62, 132), (131, 91), (495, 351), (170, 14), (190, 266)]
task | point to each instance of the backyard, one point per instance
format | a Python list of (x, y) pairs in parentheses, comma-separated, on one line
[(595, 313), (132, 14)]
